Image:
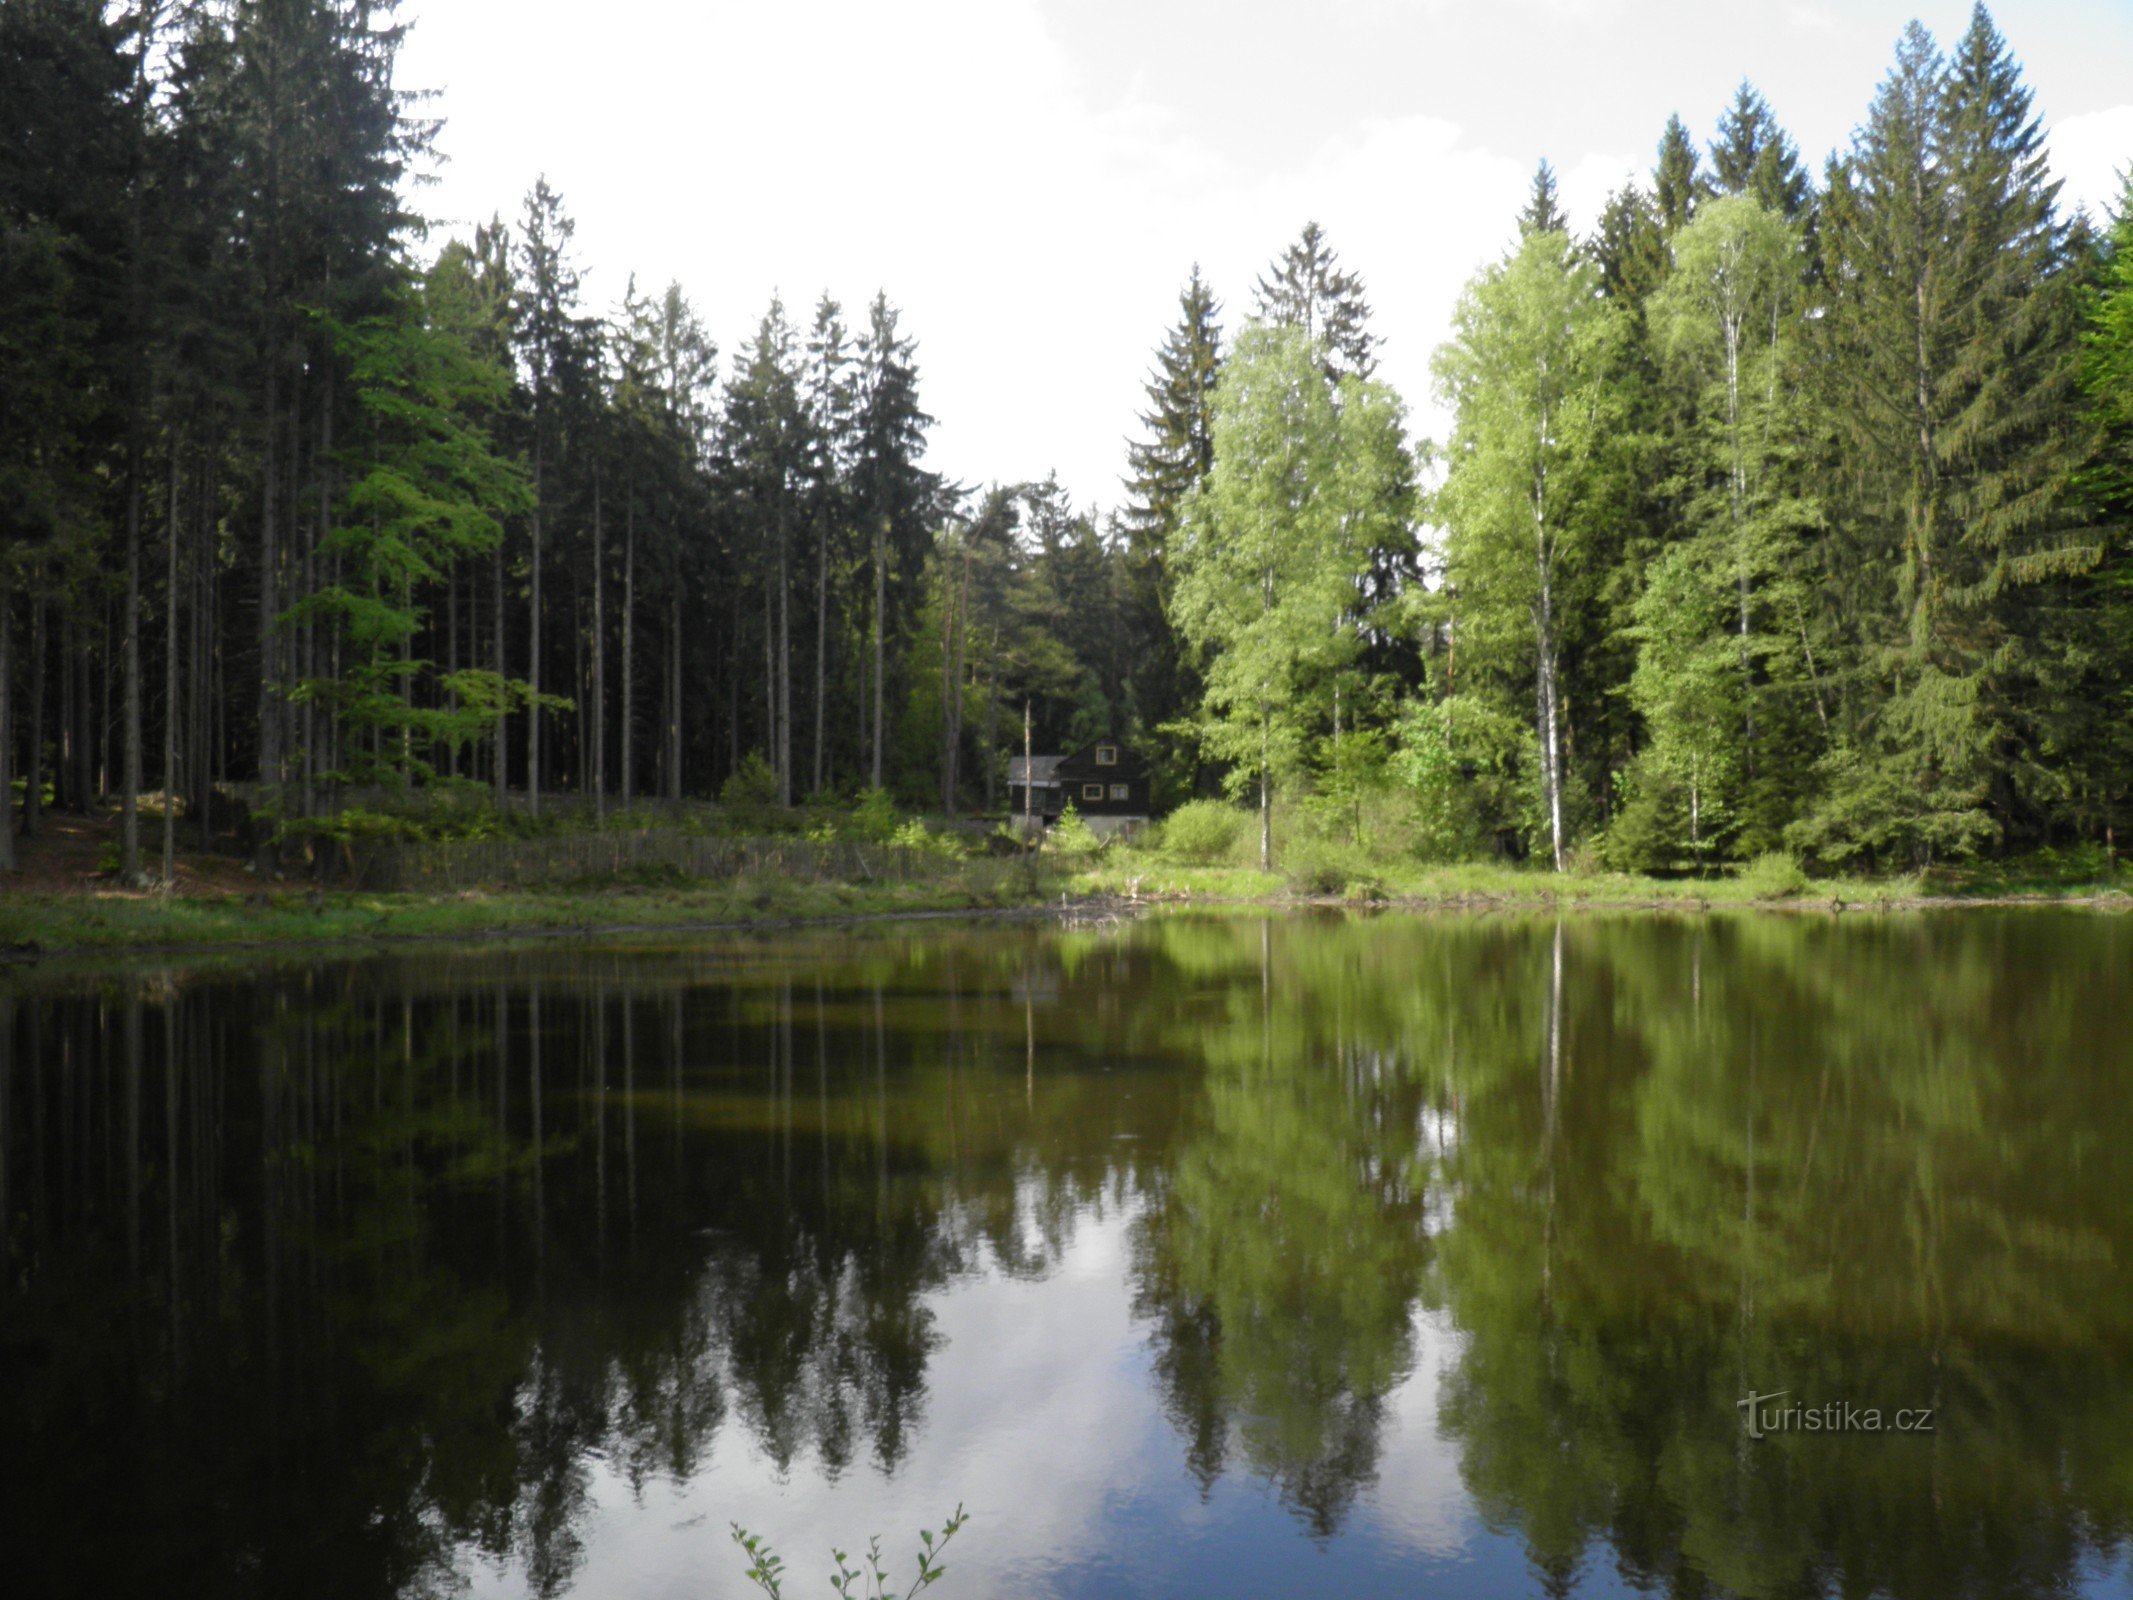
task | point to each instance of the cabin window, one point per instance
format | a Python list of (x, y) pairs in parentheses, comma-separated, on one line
[(1092, 791), (1107, 755), (1118, 791)]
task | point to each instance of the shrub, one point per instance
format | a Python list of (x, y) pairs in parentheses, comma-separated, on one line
[(1774, 875), (873, 819), (1200, 833), (1323, 866), (915, 835), (748, 799), (1071, 836)]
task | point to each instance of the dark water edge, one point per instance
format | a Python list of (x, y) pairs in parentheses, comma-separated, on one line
[(1240, 1255)]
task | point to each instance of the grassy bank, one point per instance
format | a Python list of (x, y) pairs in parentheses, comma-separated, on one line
[(35, 925), (1481, 885), (49, 924)]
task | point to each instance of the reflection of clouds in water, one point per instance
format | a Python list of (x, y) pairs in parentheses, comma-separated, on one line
[(1042, 1417), (1038, 1418), (1419, 1504)]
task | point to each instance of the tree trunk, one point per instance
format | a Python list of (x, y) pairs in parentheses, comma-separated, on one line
[(992, 721), (502, 771), (171, 612), (7, 727), (629, 645), (269, 555), (33, 787), (451, 666), (770, 678), (674, 700), (533, 664), (130, 655), (881, 597), (784, 663), (821, 644), (1266, 789), (596, 725)]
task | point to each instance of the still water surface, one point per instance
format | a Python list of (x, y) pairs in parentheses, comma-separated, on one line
[(1195, 1256)]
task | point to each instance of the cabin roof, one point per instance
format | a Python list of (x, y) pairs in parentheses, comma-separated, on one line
[(1044, 769)]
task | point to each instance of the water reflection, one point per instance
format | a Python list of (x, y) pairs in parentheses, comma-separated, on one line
[(1315, 1250)]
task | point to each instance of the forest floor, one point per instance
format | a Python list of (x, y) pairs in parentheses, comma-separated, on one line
[(63, 898)]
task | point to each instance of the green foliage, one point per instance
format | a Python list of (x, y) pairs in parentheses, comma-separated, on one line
[(1308, 483), (1315, 865), (1202, 833), (1461, 762), (748, 800), (1072, 836), (873, 818), (1774, 875), (1688, 687), (1531, 374), (869, 1581)]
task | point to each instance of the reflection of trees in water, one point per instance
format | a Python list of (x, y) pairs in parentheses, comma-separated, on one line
[(344, 1293), (1280, 1255), (343, 1297), (1687, 1159)]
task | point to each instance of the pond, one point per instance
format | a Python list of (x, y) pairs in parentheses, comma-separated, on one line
[(1234, 1256)]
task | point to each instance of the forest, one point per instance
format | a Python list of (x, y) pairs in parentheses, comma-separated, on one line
[(1784, 511)]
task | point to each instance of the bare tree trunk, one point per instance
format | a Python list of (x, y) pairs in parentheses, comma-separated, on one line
[(269, 557), (784, 663), (992, 721), (171, 612), (629, 645), (881, 599), (130, 657), (33, 787), (7, 727), (596, 725), (770, 678), (451, 666), (533, 665), (1266, 789), (502, 770), (821, 644), (674, 700)]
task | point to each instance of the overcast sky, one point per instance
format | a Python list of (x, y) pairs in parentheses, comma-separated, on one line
[(1031, 180)]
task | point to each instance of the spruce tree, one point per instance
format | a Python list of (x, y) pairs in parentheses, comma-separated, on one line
[(1678, 183), (552, 338), (1305, 287), (1542, 213), (1752, 155), (1170, 459), (1177, 448), (894, 498), (1948, 346)]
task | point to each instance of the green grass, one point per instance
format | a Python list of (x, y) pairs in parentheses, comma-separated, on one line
[(1481, 884), (54, 923)]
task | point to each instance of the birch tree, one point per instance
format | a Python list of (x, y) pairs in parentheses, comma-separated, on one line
[(1527, 375), (1308, 481)]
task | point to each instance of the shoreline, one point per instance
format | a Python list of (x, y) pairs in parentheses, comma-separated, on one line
[(72, 928)]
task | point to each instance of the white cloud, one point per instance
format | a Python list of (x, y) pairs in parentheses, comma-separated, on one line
[(1034, 224), (2089, 153)]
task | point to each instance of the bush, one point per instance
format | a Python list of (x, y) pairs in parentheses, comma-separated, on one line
[(748, 799), (873, 819), (1774, 875), (1323, 867), (915, 835), (1070, 836), (1200, 833)]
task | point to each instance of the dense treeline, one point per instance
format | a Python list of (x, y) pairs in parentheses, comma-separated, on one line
[(1776, 513), (1774, 516), (293, 502)]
